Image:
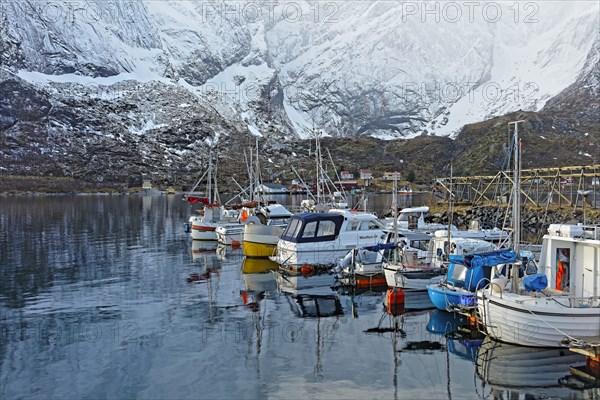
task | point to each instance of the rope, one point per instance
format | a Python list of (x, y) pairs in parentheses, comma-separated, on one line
[(573, 339)]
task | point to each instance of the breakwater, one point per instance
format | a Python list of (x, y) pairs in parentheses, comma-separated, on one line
[(532, 218)]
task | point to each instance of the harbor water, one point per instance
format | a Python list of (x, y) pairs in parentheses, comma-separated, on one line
[(108, 297)]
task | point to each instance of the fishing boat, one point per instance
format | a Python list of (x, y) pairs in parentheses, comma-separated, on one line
[(204, 223), (260, 239), (363, 267), (322, 238), (566, 312), (413, 218), (529, 313), (466, 274), (230, 234), (414, 272)]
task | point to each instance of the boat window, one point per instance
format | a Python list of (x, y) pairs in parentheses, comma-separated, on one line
[(326, 228), (405, 215), (531, 267), (352, 225), (419, 244), (310, 229), (367, 225), (292, 228)]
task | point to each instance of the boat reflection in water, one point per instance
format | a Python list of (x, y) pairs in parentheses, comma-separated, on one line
[(462, 340), (258, 281), (413, 299), (202, 248), (257, 275), (203, 252), (509, 370), (309, 295)]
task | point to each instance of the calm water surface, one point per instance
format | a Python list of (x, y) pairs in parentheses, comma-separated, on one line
[(95, 303)]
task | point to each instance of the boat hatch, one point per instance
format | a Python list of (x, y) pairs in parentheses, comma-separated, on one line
[(313, 227)]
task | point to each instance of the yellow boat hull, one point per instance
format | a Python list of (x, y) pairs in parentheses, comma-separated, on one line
[(262, 250)]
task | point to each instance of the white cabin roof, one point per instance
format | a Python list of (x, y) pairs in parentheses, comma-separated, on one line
[(362, 216), (422, 209)]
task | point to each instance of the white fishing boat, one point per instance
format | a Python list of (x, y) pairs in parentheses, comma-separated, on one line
[(363, 267), (413, 272), (569, 311), (528, 313), (322, 238), (413, 218), (204, 223), (494, 235), (230, 234)]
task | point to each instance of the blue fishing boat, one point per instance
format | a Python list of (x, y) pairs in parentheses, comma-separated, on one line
[(466, 275)]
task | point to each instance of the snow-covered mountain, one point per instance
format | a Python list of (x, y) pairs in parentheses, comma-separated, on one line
[(130, 87), (381, 68)]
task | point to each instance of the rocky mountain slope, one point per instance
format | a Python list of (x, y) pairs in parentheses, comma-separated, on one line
[(115, 90)]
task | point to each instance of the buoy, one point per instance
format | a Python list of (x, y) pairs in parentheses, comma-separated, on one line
[(307, 270), (235, 243), (394, 302), (244, 215)]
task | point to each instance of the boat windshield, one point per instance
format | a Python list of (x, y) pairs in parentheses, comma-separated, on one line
[(313, 228), (405, 215)]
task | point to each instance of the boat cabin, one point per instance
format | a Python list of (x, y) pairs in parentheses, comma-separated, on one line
[(570, 259), (321, 238), (313, 227)]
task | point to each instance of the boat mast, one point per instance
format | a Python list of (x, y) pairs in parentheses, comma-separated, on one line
[(209, 183), (318, 165), (395, 214), (450, 219), (216, 197), (257, 176), (516, 220)]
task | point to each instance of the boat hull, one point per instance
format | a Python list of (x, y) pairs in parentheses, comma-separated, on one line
[(536, 321), (444, 298), (394, 279), (261, 240), (203, 231), (230, 235)]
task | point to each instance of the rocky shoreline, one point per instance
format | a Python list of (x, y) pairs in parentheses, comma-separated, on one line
[(533, 219)]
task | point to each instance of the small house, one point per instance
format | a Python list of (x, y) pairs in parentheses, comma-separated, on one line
[(346, 175)]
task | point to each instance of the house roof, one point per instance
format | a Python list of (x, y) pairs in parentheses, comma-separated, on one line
[(273, 185)]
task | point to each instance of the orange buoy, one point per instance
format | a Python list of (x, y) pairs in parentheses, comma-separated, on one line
[(394, 296), (307, 270), (235, 243), (394, 300)]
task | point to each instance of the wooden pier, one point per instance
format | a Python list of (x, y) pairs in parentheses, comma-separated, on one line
[(573, 187)]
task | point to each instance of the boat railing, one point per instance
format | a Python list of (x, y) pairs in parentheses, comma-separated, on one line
[(592, 232), (569, 302)]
